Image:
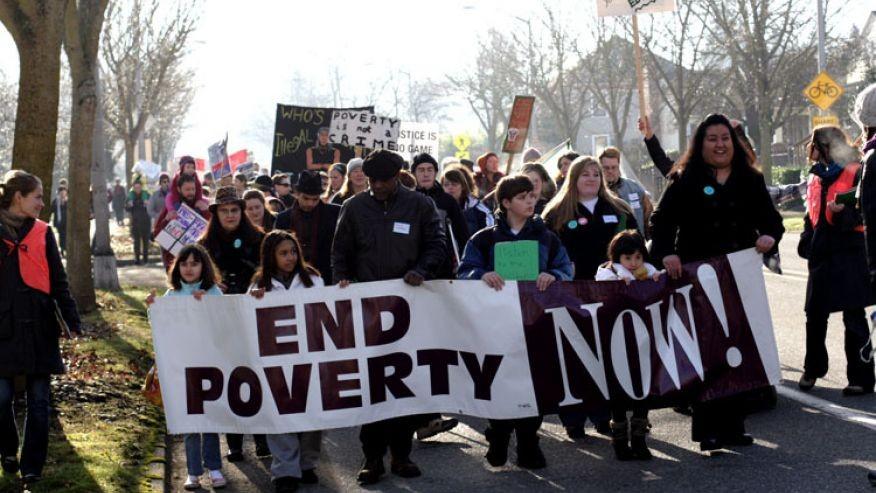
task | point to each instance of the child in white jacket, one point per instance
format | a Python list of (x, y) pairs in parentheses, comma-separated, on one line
[(626, 254), (283, 269)]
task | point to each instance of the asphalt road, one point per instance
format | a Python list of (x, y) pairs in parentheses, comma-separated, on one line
[(819, 441)]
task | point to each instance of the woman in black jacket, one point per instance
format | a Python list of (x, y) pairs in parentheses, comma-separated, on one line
[(234, 244), (716, 203), (586, 215), (833, 243), (33, 293)]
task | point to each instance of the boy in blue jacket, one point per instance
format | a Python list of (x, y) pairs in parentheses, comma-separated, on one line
[(515, 220)]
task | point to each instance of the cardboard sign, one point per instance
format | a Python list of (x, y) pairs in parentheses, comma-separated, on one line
[(518, 124), (295, 131), (220, 165), (414, 138), (364, 129), (610, 8), (516, 260), (186, 229)]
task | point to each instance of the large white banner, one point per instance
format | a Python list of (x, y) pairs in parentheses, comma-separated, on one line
[(331, 357)]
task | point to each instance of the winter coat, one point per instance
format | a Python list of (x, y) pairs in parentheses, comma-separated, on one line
[(479, 255), (136, 205), (454, 222), (697, 218), (236, 259), (156, 203), (29, 327), (187, 289), (278, 286), (867, 197), (837, 259), (321, 223), (377, 240), (477, 215), (587, 237)]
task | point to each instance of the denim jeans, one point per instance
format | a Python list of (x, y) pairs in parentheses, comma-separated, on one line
[(202, 450), (36, 424)]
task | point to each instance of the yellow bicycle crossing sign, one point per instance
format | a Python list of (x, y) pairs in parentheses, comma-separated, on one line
[(823, 91)]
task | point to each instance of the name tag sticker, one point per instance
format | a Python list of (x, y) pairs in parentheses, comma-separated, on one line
[(634, 196), (401, 228), (635, 204), (609, 219)]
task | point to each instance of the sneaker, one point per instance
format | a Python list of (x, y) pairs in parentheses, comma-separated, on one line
[(309, 476), (285, 484), (217, 480), (853, 390), (806, 383), (405, 468), (9, 464), (371, 471), (192, 483), (435, 427)]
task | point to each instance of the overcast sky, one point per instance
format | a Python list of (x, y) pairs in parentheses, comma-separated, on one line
[(246, 52)]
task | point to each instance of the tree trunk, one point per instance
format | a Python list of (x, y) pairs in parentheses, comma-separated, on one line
[(37, 30), (106, 275), (766, 150), (83, 25), (130, 145), (682, 134)]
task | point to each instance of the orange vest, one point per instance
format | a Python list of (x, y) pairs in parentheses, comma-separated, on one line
[(844, 183), (32, 261)]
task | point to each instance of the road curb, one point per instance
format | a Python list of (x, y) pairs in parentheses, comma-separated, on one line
[(158, 469)]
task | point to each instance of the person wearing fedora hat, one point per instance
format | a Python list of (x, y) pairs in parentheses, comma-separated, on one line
[(313, 221), (234, 245), (388, 232)]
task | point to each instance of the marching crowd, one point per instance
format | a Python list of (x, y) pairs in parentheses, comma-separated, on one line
[(382, 218)]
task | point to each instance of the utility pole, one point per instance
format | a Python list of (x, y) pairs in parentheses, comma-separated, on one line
[(822, 56)]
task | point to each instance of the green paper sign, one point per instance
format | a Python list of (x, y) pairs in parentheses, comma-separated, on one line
[(517, 260)]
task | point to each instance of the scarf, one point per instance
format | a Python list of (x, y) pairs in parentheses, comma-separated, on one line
[(827, 172), (11, 222)]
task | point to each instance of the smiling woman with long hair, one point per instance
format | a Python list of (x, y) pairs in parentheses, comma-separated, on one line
[(716, 203)]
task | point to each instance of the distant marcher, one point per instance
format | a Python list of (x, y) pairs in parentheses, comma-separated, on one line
[(159, 196), (355, 182), (542, 183), (241, 182), (563, 165), (173, 201), (283, 189), (140, 222), (425, 170), (488, 174), (630, 191), (531, 155), (119, 196), (59, 218), (337, 173), (186, 191), (257, 211), (458, 181)]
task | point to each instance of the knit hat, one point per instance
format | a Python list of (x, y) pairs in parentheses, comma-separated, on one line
[(355, 163), (264, 183), (186, 160), (309, 183), (422, 158), (227, 195), (382, 164), (531, 155), (865, 107)]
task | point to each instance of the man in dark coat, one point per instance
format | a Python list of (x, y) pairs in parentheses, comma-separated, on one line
[(387, 232), (118, 198), (425, 169), (59, 218), (313, 221)]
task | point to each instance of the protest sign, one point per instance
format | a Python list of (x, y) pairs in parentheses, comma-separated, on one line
[(184, 230), (516, 260), (328, 357), (364, 129), (295, 131), (217, 153), (518, 124), (238, 158), (610, 8), (414, 138)]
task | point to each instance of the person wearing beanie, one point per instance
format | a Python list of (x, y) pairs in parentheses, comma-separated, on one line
[(425, 169), (531, 155), (355, 182), (388, 232), (337, 173), (173, 200), (313, 222)]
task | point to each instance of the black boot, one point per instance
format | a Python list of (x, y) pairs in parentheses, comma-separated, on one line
[(497, 454), (371, 471), (638, 430), (620, 437), (529, 454), (872, 477)]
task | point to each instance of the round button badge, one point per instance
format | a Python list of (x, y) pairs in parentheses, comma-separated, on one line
[(582, 221), (572, 224), (237, 243), (708, 190)]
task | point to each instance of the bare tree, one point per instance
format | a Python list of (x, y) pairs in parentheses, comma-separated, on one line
[(678, 60), (83, 23), (419, 100), (141, 51), (8, 98), (106, 275), (37, 27), (609, 74), (486, 87), (168, 123), (771, 50), (548, 55)]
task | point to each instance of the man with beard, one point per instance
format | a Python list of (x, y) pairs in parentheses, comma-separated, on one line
[(188, 194), (312, 221)]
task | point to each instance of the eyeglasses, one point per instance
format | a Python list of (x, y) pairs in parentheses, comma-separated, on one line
[(283, 184)]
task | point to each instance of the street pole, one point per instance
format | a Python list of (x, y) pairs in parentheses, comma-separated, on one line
[(822, 56)]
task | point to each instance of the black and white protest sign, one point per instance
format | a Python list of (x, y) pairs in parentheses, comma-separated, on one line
[(364, 129)]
